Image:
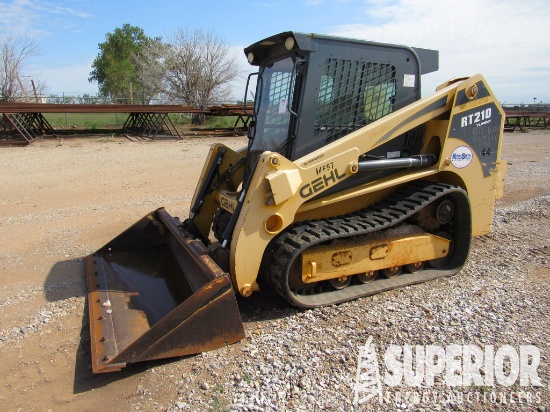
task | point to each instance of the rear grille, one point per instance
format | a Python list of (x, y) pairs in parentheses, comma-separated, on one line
[(353, 94)]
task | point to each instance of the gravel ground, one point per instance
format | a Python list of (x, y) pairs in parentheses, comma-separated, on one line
[(65, 202)]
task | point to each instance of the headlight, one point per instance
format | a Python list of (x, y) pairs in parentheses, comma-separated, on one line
[(289, 43)]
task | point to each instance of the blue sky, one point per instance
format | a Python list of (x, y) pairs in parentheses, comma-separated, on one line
[(505, 40)]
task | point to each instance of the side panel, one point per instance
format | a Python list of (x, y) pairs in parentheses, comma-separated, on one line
[(473, 150)]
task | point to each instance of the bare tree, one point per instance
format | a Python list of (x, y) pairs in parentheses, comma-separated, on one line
[(150, 69), (199, 68), (15, 53)]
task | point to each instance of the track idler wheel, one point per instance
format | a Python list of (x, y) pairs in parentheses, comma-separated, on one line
[(442, 262), (445, 211), (367, 277), (295, 280)]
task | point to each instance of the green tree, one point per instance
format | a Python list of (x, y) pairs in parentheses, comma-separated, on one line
[(118, 68)]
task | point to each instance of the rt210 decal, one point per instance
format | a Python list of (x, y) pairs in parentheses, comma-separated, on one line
[(479, 128), (477, 118)]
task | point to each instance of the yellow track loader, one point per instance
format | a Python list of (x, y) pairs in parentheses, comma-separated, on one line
[(350, 185)]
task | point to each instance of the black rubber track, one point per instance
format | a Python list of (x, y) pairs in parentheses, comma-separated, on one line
[(390, 212)]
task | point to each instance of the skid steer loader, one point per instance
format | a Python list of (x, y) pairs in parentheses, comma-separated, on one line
[(350, 185)]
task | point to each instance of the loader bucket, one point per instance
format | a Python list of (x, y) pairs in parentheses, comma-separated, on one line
[(154, 293)]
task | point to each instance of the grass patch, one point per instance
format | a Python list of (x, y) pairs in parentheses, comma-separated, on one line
[(210, 121), (93, 125), (95, 121), (223, 122), (180, 118), (86, 120)]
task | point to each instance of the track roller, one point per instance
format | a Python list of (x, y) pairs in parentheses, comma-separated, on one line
[(392, 272), (414, 267), (340, 283), (366, 277)]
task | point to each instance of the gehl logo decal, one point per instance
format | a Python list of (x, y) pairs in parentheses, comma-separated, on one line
[(329, 178)]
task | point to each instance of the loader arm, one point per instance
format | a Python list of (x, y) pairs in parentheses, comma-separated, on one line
[(222, 170)]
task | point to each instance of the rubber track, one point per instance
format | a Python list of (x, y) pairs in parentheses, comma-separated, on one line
[(400, 205)]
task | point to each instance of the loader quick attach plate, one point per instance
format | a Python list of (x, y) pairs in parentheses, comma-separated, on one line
[(153, 293)]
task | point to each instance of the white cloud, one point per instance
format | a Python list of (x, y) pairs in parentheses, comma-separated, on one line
[(503, 40), (70, 80), (34, 18)]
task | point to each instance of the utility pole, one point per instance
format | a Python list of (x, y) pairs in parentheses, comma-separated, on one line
[(23, 89), (34, 90)]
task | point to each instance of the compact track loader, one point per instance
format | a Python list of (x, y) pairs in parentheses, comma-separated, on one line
[(350, 185)]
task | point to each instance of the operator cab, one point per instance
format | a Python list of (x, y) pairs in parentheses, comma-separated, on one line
[(313, 89)]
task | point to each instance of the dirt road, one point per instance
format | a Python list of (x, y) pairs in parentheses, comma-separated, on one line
[(59, 203)]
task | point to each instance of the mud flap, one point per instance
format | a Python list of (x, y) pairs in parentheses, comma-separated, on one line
[(153, 293)]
